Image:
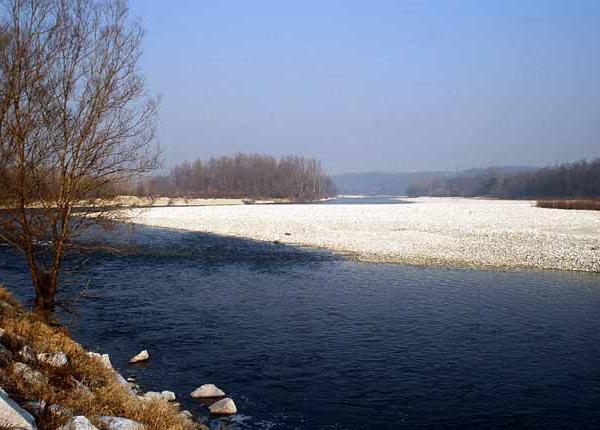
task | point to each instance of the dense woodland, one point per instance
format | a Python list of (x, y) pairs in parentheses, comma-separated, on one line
[(397, 184), (381, 183), (244, 176), (565, 181)]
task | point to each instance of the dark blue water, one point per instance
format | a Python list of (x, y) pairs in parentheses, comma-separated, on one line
[(302, 340)]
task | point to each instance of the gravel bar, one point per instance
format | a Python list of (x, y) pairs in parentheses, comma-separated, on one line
[(425, 231)]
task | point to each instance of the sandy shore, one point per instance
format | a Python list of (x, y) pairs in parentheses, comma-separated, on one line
[(428, 231)]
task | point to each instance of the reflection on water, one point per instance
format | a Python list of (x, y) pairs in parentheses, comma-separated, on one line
[(301, 339)]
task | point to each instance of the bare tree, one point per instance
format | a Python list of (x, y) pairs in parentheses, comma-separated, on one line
[(75, 120), (247, 175)]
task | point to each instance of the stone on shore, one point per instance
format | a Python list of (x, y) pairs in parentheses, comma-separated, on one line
[(224, 406), (14, 416), (27, 354), (104, 358), (79, 423), (186, 414), (118, 423), (55, 359), (142, 356), (169, 396), (153, 395), (207, 390), (30, 376)]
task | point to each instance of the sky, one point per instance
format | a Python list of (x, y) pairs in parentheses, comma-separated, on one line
[(379, 85)]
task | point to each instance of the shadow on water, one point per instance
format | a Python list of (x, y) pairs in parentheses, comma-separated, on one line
[(209, 249), (157, 247)]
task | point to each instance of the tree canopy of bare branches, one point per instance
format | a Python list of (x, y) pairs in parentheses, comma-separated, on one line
[(245, 175), (579, 180), (75, 118)]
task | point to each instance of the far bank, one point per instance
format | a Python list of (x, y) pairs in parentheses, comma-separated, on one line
[(455, 232)]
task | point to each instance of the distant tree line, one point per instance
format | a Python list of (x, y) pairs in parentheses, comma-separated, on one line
[(244, 176), (566, 181)]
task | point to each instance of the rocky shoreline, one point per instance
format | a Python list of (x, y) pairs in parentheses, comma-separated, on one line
[(49, 382)]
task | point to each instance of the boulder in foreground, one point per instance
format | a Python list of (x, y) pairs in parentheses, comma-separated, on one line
[(14, 416), (118, 423), (142, 356), (56, 359), (207, 390), (31, 377), (224, 406), (79, 423)]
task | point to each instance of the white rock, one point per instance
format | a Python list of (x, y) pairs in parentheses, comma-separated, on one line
[(207, 390), (104, 358), (60, 411), (27, 354), (39, 407), (169, 396), (29, 375), (122, 381), (79, 423), (56, 359), (186, 414), (224, 406), (14, 416), (153, 395), (118, 423), (142, 356)]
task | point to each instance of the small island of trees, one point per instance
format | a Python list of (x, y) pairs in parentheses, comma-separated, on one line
[(252, 176)]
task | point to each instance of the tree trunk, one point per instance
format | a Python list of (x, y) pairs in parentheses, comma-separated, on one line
[(45, 283)]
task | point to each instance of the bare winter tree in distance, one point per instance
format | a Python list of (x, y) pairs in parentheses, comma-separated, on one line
[(75, 120)]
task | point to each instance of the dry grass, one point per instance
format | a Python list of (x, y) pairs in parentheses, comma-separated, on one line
[(582, 204), (5, 296), (103, 395)]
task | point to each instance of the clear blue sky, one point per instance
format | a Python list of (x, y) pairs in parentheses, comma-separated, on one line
[(377, 85)]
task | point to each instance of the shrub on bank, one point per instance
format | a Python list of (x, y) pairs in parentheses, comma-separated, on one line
[(581, 204), (83, 386)]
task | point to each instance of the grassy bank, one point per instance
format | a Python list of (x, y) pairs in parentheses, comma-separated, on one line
[(82, 386), (581, 204)]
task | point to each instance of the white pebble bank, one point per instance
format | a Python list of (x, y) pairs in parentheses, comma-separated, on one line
[(429, 231)]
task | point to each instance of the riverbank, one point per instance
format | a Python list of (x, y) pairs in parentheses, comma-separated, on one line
[(425, 231), (578, 204), (48, 380), (146, 202), (135, 201)]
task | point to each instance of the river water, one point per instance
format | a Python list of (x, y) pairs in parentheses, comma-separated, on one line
[(301, 339)]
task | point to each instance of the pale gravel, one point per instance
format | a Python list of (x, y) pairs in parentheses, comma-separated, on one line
[(428, 231)]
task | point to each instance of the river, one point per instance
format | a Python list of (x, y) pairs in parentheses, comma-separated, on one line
[(302, 339)]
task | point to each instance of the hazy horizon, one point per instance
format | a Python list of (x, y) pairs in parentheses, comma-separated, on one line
[(380, 87)]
